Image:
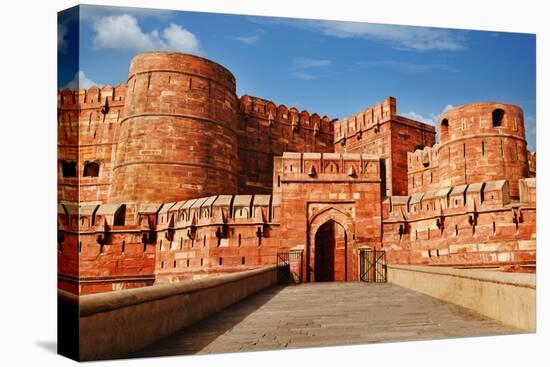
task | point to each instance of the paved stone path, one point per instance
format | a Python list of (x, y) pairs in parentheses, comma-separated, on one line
[(326, 314)]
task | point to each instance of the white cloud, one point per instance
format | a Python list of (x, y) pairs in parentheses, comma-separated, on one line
[(447, 108), (61, 33), (431, 118), (306, 62), (400, 37), (248, 40), (306, 68), (124, 32), (408, 67), (252, 38), (180, 39), (422, 39), (80, 81)]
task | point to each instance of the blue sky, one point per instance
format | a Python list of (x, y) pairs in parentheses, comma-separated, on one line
[(332, 68)]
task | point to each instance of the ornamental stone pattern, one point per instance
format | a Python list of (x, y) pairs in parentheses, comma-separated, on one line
[(171, 176)]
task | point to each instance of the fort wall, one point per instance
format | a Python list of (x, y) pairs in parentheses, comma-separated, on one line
[(106, 253), (423, 169), (189, 105), (267, 130), (166, 242), (172, 177), (341, 188), (88, 121), (216, 235), (380, 131), (483, 141), (473, 224)]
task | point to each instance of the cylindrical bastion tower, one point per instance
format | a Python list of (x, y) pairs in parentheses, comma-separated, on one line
[(483, 142), (178, 135)]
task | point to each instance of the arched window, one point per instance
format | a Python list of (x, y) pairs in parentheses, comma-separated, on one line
[(91, 169), (444, 129), (68, 168), (498, 116)]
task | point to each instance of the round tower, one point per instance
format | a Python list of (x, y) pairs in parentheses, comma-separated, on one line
[(483, 142), (178, 135)]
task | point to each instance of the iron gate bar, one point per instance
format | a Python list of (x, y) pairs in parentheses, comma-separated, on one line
[(381, 264), (372, 264), (285, 273)]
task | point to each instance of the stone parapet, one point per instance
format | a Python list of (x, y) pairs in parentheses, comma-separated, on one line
[(507, 297), (148, 314)]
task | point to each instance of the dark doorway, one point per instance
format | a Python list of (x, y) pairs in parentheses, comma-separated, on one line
[(330, 262), (91, 169)]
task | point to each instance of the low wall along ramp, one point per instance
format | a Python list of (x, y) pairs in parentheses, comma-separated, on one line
[(507, 297), (114, 324)]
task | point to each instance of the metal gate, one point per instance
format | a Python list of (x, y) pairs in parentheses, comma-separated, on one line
[(372, 266), (289, 267)]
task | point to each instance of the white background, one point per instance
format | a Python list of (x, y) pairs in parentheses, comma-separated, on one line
[(28, 181)]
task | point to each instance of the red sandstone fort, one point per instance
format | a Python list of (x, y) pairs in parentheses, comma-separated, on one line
[(171, 176)]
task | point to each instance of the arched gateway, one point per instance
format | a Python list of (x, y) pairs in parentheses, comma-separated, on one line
[(329, 207), (331, 254)]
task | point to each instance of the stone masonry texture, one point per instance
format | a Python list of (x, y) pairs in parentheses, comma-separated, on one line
[(172, 176)]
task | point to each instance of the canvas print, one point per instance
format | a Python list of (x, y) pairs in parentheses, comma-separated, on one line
[(231, 183)]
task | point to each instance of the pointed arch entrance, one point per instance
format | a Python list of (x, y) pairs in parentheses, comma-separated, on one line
[(330, 250)]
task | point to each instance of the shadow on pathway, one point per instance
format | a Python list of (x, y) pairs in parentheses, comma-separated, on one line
[(196, 337)]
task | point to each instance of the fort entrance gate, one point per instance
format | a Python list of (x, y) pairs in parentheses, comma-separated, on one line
[(329, 208), (329, 256)]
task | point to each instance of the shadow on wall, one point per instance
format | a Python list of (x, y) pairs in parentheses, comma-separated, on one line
[(205, 332)]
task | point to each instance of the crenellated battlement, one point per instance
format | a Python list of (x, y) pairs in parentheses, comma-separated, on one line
[(268, 130), (291, 117), (172, 176), (423, 169), (475, 223), (88, 106), (481, 196), (219, 210), (370, 118), (88, 132), (422, 159), (93, 97), (378, 130), (216, 210)]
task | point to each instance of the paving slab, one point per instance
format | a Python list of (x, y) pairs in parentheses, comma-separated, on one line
[(326, 314)]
